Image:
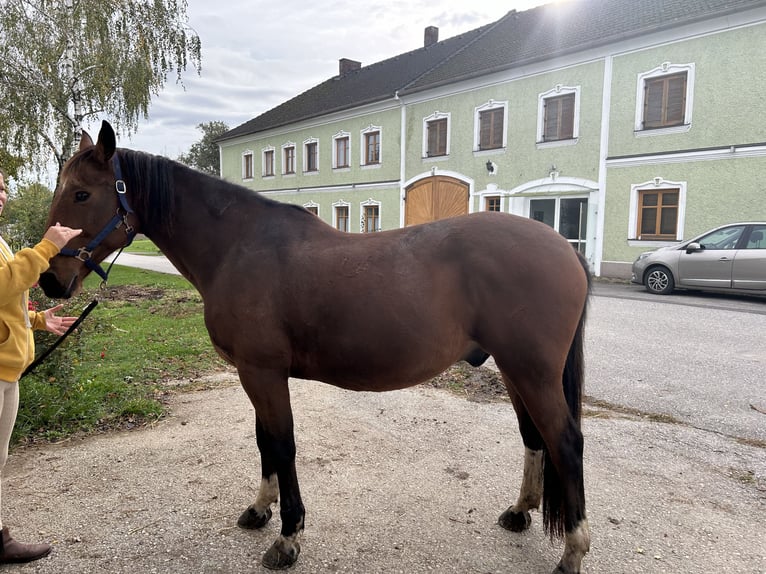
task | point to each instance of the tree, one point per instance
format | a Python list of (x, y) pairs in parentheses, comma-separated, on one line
[(204, 154), (67, 62), (24, 217)]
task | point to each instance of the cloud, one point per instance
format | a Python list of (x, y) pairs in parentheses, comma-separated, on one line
[(256, 55)]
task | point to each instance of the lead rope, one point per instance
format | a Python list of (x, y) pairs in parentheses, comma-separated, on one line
[(73, 326), (69, 331)]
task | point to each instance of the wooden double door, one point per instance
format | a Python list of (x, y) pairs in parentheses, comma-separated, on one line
[(437, 197)]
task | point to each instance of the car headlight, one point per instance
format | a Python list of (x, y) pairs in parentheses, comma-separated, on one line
[(644, 256)]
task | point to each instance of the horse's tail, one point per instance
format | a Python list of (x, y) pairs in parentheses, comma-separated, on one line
[(573, 377)]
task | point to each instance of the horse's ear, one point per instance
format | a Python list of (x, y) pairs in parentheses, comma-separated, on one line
[(107, 142), (85, 140)]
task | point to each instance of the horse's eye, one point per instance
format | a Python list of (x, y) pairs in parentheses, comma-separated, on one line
[(81, 196)]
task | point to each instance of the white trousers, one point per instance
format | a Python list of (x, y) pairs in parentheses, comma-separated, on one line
[(9, 407)]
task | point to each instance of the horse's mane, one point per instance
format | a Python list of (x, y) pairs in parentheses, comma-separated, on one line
[(154, 178), (153, 189)]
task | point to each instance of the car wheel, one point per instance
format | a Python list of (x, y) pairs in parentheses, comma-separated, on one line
[(659, 280)]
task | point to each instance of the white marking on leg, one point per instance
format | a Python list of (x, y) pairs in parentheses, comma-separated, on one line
[(531, 491), (576, 547), (268, 494)]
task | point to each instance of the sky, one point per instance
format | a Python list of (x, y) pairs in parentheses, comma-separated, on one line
[(258, 54)]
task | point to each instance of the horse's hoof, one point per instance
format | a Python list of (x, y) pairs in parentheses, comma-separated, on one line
[(561, 570), (515, 521), (252, 519), (281, 555)]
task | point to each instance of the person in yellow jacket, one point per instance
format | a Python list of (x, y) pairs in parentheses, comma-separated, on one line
[(18, 273)]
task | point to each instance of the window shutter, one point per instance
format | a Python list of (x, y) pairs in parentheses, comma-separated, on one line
[(567, 117), (485, 130), (653, 104), (676, 100)]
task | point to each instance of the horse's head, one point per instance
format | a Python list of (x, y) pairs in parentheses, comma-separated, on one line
[(88, 197)]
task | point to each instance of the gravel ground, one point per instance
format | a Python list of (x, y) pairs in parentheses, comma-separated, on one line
[(410, 481)]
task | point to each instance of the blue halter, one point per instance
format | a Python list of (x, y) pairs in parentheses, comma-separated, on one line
[(119, 218)]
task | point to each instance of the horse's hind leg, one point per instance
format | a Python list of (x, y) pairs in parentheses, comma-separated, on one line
[(545, 408), (517, 518), (258, 514), (270, 395)]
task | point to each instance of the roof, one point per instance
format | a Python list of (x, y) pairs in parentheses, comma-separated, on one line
[(369, 84), (552, 30), (516, 39)]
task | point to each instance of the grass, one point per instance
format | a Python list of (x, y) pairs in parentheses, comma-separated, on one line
[(143, 247), (113, 371)]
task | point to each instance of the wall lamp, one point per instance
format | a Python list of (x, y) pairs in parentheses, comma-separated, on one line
[(491, 167)]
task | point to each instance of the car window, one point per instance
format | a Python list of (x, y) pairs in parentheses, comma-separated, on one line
[(757, 238), (722, 238)]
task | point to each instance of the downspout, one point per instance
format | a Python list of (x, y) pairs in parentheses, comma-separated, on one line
[(402, 156), (598, 253)]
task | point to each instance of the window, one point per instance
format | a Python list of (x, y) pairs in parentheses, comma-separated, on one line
[(436, 137), (757, 238), (489, 126), (372, 148), (371, 152), (658, 214), (371, 219), (567, 215), (312, 208), (268, 162), (341, 217), (311, 156), (726, 238), (491, 129), (492, 203), (342, 156), (664, 99), (247, 165), (289, 159), (558, 118)]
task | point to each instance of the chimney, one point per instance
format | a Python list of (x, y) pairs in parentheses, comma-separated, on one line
[(345, 66), (431, 36)]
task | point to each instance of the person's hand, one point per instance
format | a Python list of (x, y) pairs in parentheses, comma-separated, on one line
[(61, 235), (54, 324)]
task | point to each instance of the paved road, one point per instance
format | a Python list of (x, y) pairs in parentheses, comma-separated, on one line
[(158, 263)]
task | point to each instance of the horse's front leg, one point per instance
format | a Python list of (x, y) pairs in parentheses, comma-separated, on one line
[(270, 395), (258, 514), (517, 518)]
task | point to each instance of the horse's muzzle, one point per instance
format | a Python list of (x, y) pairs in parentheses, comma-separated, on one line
[(53, 288)]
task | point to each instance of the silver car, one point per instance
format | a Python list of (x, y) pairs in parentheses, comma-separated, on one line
[(729, 258)]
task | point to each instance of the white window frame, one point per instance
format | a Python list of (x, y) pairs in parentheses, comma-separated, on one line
[(246, 153), (309, 204), (363, 147), (335, 138), (340, 203), (283, 166), (558, 90), (489, 105), (664, 69), (433, 117), (370, 202), (484, 195), (655, 183), (306, 142), (264, 151)]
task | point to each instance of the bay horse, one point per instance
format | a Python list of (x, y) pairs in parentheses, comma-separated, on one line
[(286, 295)]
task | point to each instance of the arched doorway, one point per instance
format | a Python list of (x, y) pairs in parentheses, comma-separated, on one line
[(432, 198)]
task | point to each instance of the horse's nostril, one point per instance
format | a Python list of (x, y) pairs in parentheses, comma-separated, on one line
[(51, 286)]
